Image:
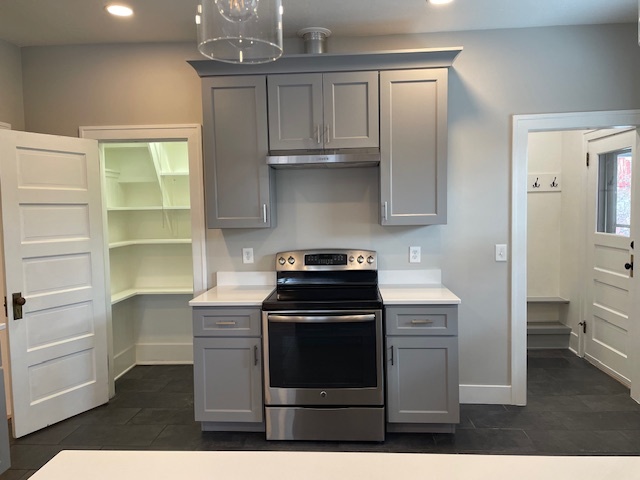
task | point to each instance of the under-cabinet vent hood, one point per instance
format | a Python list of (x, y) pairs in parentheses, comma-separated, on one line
[(320, 159)]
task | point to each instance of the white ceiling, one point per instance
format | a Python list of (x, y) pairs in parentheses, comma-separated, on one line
[(66, 22)]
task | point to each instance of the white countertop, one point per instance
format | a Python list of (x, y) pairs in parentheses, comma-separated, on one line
[(397, 287), (218, 465), (253, 295), (233, 296), (417, 295)]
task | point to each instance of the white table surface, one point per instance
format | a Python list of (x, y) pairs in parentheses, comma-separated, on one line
[(161, 465)]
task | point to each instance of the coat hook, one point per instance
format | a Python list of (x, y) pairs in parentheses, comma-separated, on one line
[(536, 184), (554, 184)]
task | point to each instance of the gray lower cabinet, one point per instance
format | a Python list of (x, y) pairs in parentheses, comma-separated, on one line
[(228, 369), (413, 147), (239, 186), (422, 368)]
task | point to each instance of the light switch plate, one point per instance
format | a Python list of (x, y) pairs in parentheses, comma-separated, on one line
[(247, 255), (414, 255), (501, 252)]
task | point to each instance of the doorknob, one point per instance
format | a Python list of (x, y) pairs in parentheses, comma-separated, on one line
[(18, 302), (629, 266)]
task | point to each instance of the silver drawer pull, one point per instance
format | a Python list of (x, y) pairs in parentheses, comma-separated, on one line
[(420, 322), (226, 323)]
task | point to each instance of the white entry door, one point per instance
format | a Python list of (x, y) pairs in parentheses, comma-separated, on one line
[(610, 214), (54, 263)]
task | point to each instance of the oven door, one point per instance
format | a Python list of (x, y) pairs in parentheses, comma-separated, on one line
[(323, 358)]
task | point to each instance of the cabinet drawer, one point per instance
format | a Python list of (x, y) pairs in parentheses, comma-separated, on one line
[(421, 320), (226, 322)]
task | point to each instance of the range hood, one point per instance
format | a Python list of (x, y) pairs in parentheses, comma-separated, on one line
[(324, 159)]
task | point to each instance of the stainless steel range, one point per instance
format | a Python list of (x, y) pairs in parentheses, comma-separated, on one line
[(323, 343)]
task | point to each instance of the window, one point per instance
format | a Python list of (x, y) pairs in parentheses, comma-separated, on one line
[(614, 192)]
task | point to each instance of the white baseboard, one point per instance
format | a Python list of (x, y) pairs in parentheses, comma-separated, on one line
[(124, 361), (608, 370), (489, 394), (159, 353)]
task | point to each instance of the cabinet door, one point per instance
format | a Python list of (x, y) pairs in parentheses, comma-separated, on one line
[(237, 178), (413, 147), (422, 380), (351, 110), (227, 379), (295, 112)]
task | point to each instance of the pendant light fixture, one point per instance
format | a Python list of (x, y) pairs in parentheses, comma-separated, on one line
[(240, 31)]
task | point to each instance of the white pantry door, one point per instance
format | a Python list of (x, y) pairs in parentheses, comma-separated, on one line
[(610, 212), (54, 259)]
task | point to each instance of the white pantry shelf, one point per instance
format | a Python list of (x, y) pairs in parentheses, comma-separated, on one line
[(151, 241), (132, 292)]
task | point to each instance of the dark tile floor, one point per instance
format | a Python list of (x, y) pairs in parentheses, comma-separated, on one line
[(573, 409)]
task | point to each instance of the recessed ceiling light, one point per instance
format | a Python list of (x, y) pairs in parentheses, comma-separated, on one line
[(439, 2), (119, 10)]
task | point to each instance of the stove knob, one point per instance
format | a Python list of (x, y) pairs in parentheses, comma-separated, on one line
[(282, 261), (370, 259), (360, 259), (292, 260), (351, 259), (323, 394)]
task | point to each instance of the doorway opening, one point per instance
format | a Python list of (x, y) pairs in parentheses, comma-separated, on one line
[(153, 201), (523, 125)]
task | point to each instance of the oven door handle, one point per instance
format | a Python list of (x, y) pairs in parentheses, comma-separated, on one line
[(369, 317)]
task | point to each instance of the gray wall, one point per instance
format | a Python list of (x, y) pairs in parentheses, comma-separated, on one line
[(499, 74), (68, 87), (11, 108)]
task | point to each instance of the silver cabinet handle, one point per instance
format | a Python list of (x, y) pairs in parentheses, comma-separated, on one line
[(391, 354), (231, 322), (255, 355), (264, 213), (327, 136), (318, 134), (420, 322), (384, 211)]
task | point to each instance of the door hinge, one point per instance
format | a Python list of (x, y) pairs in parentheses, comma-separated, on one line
[(584, 326), (6, 313), (587, 159)]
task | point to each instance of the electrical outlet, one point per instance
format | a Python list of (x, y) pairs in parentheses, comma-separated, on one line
[(247, 255), (414, 255), (501, 252)]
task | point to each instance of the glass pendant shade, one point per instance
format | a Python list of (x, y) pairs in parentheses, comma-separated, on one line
[(240, 31)]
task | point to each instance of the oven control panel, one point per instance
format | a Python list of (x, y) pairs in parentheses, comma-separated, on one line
[(301, 260)]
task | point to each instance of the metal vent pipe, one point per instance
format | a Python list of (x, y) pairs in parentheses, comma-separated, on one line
[(314, 39)]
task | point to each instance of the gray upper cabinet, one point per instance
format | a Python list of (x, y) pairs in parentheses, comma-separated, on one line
[(238, 182), (413, 147), (323, 111)]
